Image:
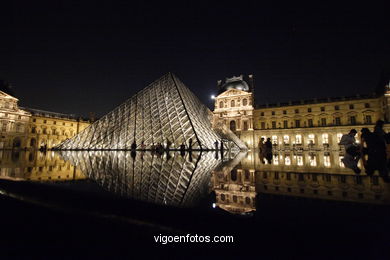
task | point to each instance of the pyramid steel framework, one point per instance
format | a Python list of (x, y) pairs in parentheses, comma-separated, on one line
[(178, 181), (165, 111)]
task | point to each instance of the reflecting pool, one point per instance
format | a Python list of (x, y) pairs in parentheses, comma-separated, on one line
[(235, 181), (98, 201)]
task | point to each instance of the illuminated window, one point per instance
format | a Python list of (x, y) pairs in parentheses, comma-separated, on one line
[(298, 139), (244, 102), (327, 161), (276, 160), (232, 103), (325, 138), (286, 139), (299, 160), (274, 139), (339, 135), (313, 160), (310, 138), (341, 164), (287, 160)]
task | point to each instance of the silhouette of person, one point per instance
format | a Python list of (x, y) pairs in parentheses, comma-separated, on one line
[(143, 146), (190, 144), (216, 144), (352, 151), (374, 146), (133, 146), (261, 145), (378, 129), (168, 145)]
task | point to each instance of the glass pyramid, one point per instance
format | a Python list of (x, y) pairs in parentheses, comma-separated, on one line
[(176, 180), (164, 112)]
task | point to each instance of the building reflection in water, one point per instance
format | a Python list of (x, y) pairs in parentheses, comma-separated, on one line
[(320, 175), (37, 166), (183, 180)]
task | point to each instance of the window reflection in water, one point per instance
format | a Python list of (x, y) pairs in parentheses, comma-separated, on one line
[(236, 181)]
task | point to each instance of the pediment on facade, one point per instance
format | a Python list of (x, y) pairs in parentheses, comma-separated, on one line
[(5, 95), (233, 92)]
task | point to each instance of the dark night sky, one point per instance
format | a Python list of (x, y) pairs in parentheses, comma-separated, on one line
[(69, 57)]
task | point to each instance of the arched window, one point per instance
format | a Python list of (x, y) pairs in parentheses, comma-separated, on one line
[(233, 175), (221, 104), (232, 103), (247, 174), (233, 125), (244, 102), (245, 125)]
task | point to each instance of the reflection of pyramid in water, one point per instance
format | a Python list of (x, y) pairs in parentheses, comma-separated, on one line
[(178, 181), (165, 110)]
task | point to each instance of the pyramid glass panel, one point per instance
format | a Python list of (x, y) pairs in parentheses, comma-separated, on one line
[(176, 180), (165, 111)]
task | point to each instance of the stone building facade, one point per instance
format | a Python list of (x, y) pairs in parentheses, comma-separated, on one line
[(48, 129), (31, 128), (14, 122), (316, 124)]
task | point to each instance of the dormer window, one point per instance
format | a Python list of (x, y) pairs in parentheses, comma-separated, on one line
[(244, 102), (232, 103)]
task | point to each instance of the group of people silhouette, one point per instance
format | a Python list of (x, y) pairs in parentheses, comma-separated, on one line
[(265, 150), (373, 150)]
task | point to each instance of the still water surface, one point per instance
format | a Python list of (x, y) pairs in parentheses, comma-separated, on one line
[(234, 182)]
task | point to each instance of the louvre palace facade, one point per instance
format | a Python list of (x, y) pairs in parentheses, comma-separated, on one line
[(32, 128), (316, 124)]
